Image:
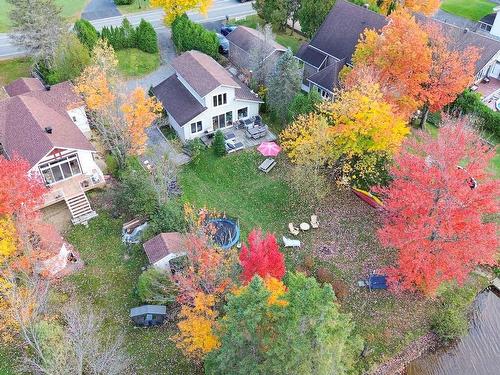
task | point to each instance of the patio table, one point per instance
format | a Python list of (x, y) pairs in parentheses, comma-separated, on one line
[(257, 132), (304, 226)]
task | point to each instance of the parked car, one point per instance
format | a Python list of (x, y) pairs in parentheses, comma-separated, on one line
[(223, 44), (226, 29)]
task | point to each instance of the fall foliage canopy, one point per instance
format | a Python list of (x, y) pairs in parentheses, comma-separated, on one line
[(176, 8), (436, 206)]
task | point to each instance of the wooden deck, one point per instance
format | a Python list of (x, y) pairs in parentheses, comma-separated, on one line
[(70, 188)]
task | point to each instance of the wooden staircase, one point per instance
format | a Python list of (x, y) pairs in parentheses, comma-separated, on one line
[(79, 206)]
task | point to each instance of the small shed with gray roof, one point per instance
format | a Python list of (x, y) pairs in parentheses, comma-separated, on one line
[(148, 315)]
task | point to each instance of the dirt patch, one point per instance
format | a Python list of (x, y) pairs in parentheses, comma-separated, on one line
[(58, 215)]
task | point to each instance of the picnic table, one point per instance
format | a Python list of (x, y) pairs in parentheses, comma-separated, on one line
[(267, 165), (256, 132)]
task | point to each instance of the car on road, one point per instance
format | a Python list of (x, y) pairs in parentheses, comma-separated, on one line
[(226, 29), (223, 44)]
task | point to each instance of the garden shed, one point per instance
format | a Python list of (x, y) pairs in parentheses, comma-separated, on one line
[(148, 315), (164, 247)]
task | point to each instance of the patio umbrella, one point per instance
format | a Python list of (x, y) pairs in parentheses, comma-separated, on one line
[(269, 149)]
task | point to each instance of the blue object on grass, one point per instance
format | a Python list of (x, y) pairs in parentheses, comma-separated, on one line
[(377, 282), (226, 232)]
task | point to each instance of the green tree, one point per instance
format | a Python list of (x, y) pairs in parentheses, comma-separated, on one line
[(70, 59), (87, 33), (284, 84), (156, 287), (298, 331), (169, 217), (219, 144), (188, 35), (275, 12), (312, 14), (303, 104), (147, 40)]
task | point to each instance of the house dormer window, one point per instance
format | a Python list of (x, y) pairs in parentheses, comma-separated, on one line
[(220, 99)]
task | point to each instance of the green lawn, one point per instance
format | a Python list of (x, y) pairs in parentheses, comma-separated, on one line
[(471, 9), (11, 70), (282, 37), (8, 360), (71, 9), (133, 62), (136, 6), (108, 282)]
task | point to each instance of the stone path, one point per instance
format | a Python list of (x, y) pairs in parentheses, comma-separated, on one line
[(98, 9)]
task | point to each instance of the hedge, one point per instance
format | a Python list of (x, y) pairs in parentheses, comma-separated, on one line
[(188, 35), (147, 40), (142, 37), (87, 33), (123, 2)]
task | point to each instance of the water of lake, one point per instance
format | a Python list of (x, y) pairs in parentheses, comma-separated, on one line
[(478, 353)]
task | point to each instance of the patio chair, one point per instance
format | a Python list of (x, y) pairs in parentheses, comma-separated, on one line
[(314, 221), (290, 243), (293, 230)]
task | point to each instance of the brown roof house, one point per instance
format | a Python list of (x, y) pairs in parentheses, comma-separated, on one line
[(202, 97), (164, 247), (241, 42), (48, 127), (334, 43)]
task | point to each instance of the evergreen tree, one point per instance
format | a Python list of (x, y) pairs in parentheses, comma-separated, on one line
[(87, 33), (147, 40), (312, 14), (219, 144), (70, 59)]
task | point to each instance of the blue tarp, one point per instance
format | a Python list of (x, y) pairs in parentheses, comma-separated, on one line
[(377, 282)]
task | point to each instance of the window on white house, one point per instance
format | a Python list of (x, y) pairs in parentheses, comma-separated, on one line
[(242, 113), (60, 169), (196, 127), (220, 99), (324, 94), (73, 118)]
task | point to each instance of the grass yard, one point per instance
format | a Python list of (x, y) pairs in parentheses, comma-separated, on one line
[(471, 9), (136, 6), (108, 282), (8, 359), (282, 37), (11, 70), (133, 62), (71, 10)]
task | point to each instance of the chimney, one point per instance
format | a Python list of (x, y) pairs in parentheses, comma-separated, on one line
[(47, 87), (495, 29), (48, 130)]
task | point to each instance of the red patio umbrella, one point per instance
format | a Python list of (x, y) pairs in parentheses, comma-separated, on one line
[(269, 148)]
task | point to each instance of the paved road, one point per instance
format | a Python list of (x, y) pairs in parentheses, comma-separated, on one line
[(219, 11), (97, 9)]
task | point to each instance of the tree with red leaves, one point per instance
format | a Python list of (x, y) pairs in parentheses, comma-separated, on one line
[(436, 208), (262, 257)]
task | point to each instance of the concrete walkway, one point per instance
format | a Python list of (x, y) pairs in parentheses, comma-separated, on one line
[(98, 9)]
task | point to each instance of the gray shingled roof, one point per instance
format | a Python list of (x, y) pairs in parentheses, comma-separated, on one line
[(177, 100), (148, 309), (244, 92), (310, 55), (23, 119), (247, 38), (328, 78), (202, 72)]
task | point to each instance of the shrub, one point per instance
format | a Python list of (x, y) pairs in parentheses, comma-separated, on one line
[(340, 288), (129, 34), (324, 275), (70, 59), (112, 165), (194, 148), (188, 35), (308, 262), (123, 2), (156, 287), (219, 144), (147, 40), (168, 217), (302, 104), (87, 33), (451, 319)]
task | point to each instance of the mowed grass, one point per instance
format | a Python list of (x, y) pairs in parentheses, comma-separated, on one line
[(71, 10), (11, 70), (282, 37), (107, 283), (136, 6), (233, 184), (133, 62), (471, 9)]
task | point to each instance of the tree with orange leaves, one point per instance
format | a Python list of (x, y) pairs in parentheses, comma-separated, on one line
[(427, 7), (176, 8), (399, 59)]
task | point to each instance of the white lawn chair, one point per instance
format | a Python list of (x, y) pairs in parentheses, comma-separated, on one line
[(293, 230), (314, 221), (290, 243)]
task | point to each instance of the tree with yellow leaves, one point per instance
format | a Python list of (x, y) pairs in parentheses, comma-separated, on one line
[(196, 335), (176, 8)]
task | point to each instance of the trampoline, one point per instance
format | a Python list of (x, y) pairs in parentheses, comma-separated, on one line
[(226, 232)]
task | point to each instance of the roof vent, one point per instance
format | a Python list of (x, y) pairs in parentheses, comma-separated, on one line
[(366, 5), (466, 30), (47, 87), (48, 130)]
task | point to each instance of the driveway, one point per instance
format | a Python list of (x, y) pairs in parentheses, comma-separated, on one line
[(158, 144), (98, 9)]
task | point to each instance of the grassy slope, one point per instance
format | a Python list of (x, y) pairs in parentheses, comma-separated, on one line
[(471, 9), (133, 62), (13, 69), (284, 38), (71, 9), (108, 281)]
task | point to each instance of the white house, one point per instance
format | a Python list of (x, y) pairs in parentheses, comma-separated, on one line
[(164, 247), (202, 97), (48, 127)]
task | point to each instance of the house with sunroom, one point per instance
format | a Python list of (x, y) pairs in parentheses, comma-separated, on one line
[(48, 127), (202, 97)]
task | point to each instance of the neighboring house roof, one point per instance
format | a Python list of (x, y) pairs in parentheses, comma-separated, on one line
[(164, 244), (327, 78), (247, 38), (243, 92), (177, 100), (489, 19), (24, 117), (202, 72), (148, 309), (23, 85), (311, 56), (340, 32)]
